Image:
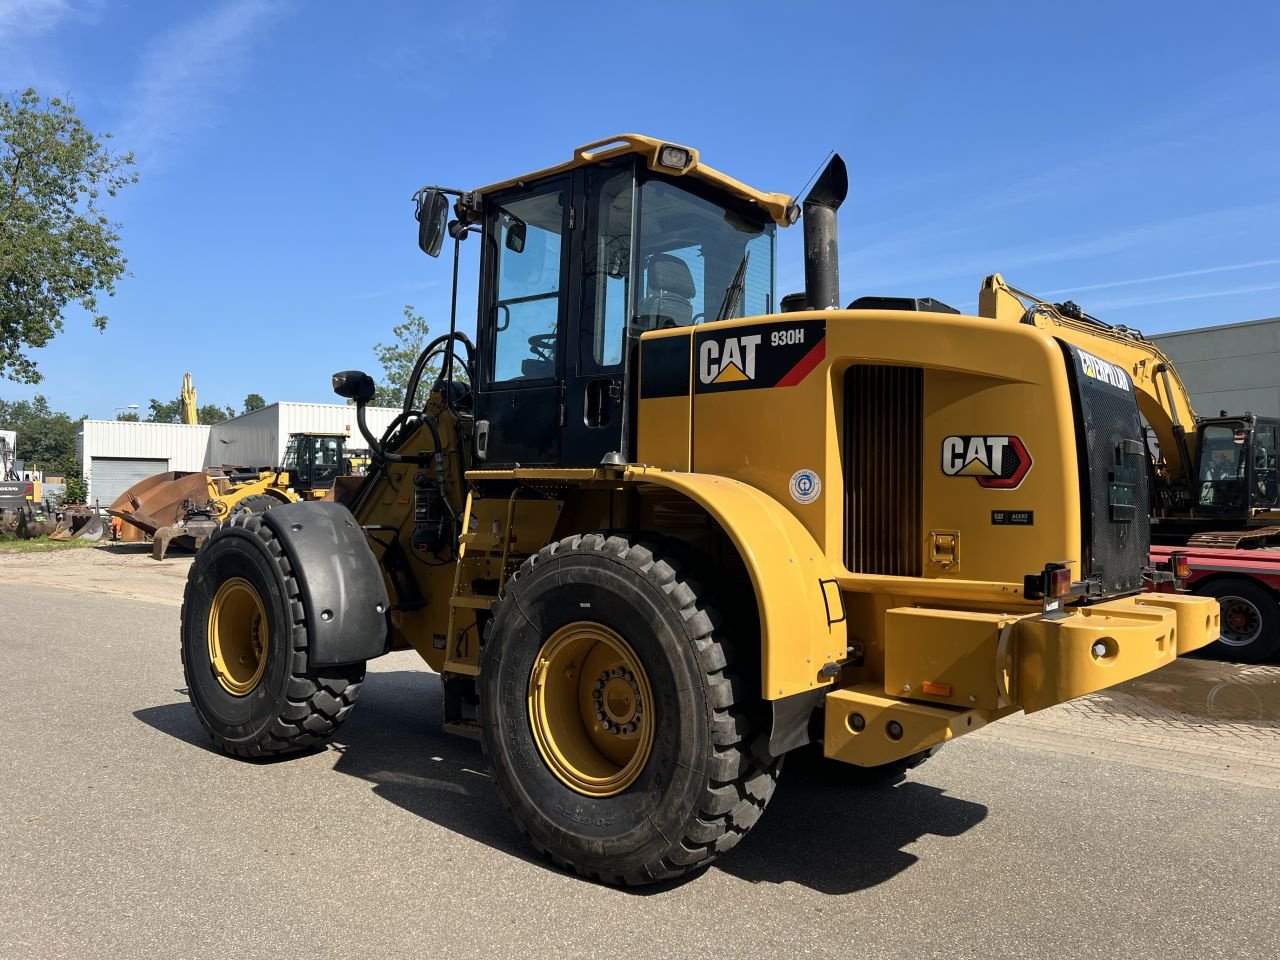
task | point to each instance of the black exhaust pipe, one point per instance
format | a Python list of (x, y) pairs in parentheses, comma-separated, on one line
[(821, 246)]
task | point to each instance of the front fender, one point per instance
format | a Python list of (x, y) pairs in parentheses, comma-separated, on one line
[(798, 598), (341, 586)]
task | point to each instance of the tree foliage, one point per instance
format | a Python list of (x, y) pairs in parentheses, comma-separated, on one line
[(254, 401), (171, 412), (130, 416), (46, 437), (57, 246), (398, 357)]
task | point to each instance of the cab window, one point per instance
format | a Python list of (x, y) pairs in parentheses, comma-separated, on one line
[(691, 250), (527, 288)]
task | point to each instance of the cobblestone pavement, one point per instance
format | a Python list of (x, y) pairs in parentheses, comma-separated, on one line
[(1209, 719)]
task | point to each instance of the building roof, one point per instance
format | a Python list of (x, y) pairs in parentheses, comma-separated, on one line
[(1215, 327)]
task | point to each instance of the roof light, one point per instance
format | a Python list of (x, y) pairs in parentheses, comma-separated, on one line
[(673, 157)]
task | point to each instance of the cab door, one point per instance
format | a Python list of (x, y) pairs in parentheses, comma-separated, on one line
[(524, 312), (595, 407)]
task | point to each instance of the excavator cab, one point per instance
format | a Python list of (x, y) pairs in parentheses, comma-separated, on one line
[(1236, 466)]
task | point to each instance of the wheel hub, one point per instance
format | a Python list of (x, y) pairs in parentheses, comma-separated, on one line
[(590, 709), (1241, 621), (239, 637)]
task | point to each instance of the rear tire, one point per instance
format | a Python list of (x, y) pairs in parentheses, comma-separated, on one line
[(697, 787), (245, 648), (1250, 621)]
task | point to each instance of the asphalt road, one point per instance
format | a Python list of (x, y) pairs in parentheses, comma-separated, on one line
[(123, 834)]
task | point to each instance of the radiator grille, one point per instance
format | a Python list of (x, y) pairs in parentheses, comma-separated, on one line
[(884, 419)]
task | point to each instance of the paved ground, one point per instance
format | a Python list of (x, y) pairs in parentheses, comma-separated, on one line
[(1137, 823)]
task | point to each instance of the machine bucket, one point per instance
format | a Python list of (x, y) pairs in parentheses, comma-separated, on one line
[(161, 501)]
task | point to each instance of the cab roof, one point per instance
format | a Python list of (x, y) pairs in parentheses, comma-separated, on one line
[(781, 208)]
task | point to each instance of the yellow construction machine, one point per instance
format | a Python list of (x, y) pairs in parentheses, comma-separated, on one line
[(185, 507), (671, 528)]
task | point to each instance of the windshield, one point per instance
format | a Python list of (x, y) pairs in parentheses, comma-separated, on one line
[(690, 250), (1222, 466)]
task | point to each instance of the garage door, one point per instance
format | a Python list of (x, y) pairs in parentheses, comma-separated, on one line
[(111, 476)]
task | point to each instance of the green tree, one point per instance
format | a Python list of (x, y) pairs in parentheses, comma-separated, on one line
[(254, 402), (46, 437), (130, 416), (165, 412), (212, 413), (57, 246), (171, 412), (398, 357)]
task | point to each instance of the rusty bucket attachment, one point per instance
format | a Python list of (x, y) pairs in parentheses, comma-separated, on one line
[(160, 501)]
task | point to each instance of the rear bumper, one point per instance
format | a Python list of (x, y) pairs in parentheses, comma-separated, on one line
[(950, 672)]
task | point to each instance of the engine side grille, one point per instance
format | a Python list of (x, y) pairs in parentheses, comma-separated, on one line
[(884, 420)]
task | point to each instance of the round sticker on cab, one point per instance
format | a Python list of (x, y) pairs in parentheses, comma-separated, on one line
[(806, 486)]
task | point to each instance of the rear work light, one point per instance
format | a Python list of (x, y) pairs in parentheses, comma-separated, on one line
[(673, 157)]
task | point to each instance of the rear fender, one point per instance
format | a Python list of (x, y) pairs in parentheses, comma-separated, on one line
[(799, 602)]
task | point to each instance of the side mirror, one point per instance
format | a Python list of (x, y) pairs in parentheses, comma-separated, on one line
[(354, 385), (432, 213), (515, 234)]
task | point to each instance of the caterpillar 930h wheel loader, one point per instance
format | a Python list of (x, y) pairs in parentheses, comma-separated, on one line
[(664, 532)]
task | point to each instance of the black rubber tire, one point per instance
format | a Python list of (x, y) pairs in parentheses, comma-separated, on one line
[(1267, 642), (258, 503), (293, 707), (703, 787)]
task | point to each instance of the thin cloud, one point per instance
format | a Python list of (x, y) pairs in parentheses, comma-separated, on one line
[(1205, 271), (182, 73), (1183, 297), (26, 17)]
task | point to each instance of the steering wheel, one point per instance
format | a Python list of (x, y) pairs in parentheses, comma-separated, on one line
[(698, 318), (543, 346)]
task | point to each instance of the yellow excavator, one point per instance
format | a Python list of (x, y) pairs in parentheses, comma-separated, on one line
[(671, 528), (1213, 478)]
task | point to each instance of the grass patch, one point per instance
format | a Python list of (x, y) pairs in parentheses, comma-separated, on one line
[(9, 543)]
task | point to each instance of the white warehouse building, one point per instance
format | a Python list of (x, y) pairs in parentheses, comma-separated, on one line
[(116, 454)]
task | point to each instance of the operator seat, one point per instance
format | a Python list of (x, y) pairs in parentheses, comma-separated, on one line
[(668, 302)]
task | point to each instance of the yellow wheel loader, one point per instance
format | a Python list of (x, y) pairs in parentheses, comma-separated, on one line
[(184, 508), (671, 528)]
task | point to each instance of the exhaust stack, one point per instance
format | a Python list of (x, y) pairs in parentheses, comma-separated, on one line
[(821, 246)]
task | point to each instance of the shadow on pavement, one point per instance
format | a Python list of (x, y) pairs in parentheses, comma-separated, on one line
[(834, 838)]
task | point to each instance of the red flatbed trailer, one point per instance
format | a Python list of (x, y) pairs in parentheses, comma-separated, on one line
[(1246, 582)]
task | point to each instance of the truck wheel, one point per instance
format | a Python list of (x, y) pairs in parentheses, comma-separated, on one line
[(611, 714), (244, 648), (258, 503), (1250, 621)]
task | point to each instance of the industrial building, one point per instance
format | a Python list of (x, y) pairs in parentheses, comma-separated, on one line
[(1233, 367), (116, 454)]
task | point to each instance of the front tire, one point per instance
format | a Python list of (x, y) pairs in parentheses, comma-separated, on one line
[(615, 724), (245, 648), (1250, 621)]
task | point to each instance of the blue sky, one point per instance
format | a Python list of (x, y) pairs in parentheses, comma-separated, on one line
[(1125, 155)]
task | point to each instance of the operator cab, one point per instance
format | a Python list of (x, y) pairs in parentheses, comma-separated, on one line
[(1236, 466), (313, 461), (577, 263)]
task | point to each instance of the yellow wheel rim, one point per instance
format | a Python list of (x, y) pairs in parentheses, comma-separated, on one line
[(238, 636), (591, 709)]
